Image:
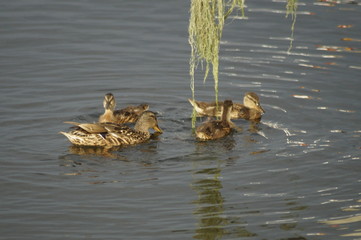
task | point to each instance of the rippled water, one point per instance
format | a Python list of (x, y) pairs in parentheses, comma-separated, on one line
[(296, 175)]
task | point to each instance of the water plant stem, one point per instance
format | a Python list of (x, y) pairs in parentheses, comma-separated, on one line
[(291, 9), (206, 24)]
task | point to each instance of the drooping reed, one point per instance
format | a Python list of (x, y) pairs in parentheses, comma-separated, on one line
[(206, 24), (291, 9)]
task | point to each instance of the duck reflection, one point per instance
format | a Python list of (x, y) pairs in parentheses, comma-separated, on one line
[(226, 144), (212, 221), (95, 151), (254, 127)]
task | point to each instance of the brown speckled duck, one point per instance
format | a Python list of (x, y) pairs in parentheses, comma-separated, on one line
[(249, 110), (217, 128), (129, 114), (112, 134)]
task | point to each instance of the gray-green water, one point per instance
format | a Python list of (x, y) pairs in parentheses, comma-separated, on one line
[(290, 177)]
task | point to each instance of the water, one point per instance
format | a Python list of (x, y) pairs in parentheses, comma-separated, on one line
[(296, 175)]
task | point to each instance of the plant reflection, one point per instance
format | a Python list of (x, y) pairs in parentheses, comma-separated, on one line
[(209, 205), (212, 220)]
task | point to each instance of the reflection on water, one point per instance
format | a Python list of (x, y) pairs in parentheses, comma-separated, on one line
[(84, 160), (213, 223), (95, 151), (209, 209), (220, 145), (254, 127), (350, 220)]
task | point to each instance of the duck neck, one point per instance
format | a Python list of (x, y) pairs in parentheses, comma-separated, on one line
[(226, 115), (108, 112), (108, 116)]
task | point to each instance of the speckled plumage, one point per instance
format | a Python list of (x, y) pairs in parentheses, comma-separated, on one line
[(217, 128), (112, 134), (129, 114), (249, 110)]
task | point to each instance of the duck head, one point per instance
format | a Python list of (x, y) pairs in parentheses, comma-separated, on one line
[(251, 100)]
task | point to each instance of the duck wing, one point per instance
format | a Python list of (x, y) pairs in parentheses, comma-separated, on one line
[(89, 127)]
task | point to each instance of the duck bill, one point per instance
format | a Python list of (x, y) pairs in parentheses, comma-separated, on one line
[(261, 109), (106, 105), (157, 128)]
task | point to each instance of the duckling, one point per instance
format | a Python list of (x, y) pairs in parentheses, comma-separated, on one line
[(129, 114), (249, 110), (112, 134), (109, 106), (217, 128)]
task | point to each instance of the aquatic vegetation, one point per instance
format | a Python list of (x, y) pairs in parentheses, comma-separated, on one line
[(206, 24), (291, 9)]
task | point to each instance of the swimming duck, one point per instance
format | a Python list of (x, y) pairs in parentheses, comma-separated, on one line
[(112, 134), (129, 114), (249, 110), (217, 128)]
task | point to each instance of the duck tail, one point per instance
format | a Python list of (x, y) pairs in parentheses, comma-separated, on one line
[(72, 123), (196, 106), (69, 136), (192, 102)]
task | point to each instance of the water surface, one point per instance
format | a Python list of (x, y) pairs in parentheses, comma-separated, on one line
[(296, 175)]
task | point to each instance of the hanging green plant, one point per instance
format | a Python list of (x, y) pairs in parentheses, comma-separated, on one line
[(206, 24), (291, 9), (205, 31)]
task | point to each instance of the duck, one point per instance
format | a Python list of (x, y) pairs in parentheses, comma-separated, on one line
[(129, 114), (112, 134), (216, 129), (250, 109)]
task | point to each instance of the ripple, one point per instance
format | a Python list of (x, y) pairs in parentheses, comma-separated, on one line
[(343, 220), (278, 126)]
